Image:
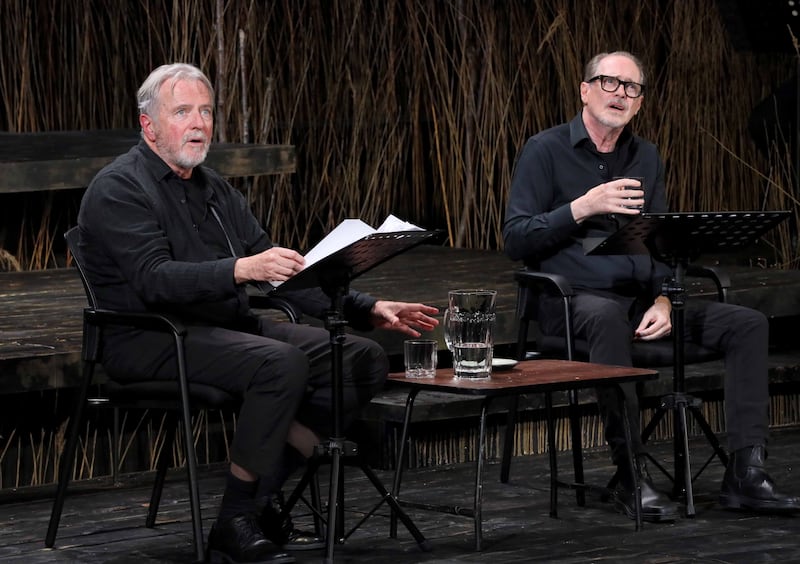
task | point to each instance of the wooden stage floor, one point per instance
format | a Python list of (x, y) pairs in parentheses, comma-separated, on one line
[(107, 525)]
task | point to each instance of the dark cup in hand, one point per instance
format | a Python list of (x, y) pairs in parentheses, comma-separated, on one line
[(632, 187)]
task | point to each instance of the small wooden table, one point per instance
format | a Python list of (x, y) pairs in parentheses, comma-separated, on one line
[(532, 376)]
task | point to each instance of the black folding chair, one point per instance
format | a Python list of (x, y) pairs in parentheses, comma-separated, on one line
[(177, 398), (653, 354)]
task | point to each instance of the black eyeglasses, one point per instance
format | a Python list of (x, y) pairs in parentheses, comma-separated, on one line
[(611, 83)]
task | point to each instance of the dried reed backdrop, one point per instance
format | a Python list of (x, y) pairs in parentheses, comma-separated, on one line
[(413, 107)]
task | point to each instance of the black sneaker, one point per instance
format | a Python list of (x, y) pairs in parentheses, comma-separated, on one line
[(239, 539)]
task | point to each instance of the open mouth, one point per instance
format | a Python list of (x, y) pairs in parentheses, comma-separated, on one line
[(196, 142), (617, 106)]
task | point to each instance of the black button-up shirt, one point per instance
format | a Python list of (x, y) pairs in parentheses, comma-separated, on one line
[(554, 168), (151, 242)]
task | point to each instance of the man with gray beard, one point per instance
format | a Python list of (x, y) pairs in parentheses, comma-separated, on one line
[(161, 233)]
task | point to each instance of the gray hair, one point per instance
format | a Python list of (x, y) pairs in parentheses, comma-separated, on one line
[(147, 96), (590, 71)]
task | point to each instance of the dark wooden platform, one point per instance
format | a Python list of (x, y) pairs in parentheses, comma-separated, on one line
[(56, 160), (40, 329), (107, 525), (40, 338)]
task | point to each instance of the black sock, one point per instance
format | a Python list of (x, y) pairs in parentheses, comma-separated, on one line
[(238, 498), (291, 461)]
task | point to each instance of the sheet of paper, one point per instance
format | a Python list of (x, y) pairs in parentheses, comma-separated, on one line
[(393, 224), (347, 232)]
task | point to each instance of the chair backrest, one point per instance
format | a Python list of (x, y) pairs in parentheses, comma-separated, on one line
[(72, 236), (652, 354), (92, 336)]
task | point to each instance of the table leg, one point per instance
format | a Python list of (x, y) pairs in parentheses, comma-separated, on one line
[(481, 454), (401, 456), (633, 462), (551, 451)]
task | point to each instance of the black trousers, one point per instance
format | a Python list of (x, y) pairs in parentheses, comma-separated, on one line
[(606, 321), (281, 374)]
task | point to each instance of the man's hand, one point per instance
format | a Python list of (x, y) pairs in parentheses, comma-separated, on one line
[(656, 322), (273, 265), (404, 317), (618, 196)]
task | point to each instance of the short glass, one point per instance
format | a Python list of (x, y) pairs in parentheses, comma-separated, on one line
[(641, 187), (421, 357)]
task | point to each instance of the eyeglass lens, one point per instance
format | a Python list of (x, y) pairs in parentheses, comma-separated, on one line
[(611, 83)]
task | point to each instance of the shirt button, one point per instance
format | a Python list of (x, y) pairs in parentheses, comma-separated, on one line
[(601, 166), (183, 201)]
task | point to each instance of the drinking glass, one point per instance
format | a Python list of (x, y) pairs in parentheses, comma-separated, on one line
[(468, 325)]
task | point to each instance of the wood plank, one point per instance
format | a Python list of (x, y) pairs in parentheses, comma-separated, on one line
[(70, 159), (108, 524), (40, 329)]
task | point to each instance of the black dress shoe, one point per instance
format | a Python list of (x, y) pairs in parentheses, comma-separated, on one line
[(747, 485), (282, 531), (240, 539), (656, 506)]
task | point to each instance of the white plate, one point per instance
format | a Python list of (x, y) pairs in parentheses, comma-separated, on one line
[(503, 363)]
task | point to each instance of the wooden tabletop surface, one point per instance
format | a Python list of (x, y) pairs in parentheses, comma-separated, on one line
[(528, 376)]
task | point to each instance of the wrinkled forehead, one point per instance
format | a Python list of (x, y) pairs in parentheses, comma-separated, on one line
[(619, 66), (182, 88)]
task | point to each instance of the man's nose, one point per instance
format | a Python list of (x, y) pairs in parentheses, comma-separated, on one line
[(198, 121)]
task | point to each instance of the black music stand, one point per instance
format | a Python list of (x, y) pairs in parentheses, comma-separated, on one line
[(333, 274), (678, 239)]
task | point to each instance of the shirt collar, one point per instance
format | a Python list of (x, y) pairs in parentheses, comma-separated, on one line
[(160, 168), (578, 134), (163, 171)]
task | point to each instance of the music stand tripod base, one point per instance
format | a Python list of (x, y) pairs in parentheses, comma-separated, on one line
[(678, 239), (333, 274)]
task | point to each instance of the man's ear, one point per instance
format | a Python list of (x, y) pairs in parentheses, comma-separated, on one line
[(146, 122), (584, 92)]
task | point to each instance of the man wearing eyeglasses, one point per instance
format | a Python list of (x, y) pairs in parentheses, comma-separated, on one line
[(585, 179)]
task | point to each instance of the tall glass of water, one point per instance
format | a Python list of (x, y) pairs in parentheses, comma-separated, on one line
[(468, 326)]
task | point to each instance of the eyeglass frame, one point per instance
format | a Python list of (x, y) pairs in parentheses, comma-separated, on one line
[(624, 83)]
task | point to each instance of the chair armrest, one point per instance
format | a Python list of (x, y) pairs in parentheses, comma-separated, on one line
[(719, 277), (140, 320), (544, 281), (259, 301)]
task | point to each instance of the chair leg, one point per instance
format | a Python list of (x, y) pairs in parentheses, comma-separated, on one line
[(508, 442), (115, 447), (194, 488), (189, 451), (161, 469), (68, 456), (511, 422)]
